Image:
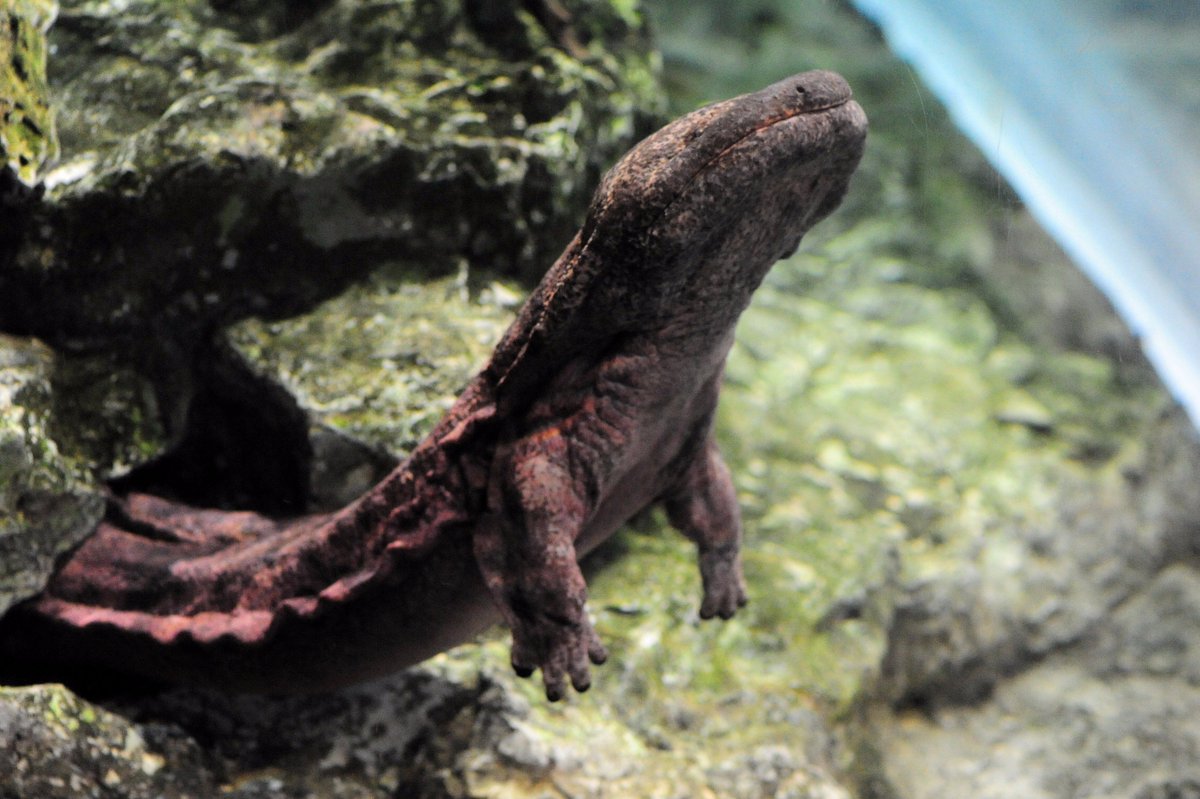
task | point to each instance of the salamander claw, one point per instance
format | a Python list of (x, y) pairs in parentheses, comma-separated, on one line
[(563, 650), (724, 585)]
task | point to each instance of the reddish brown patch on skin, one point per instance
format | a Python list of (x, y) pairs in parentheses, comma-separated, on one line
[(597, 402)]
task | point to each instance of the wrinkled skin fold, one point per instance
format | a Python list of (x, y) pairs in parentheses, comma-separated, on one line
[(598, 402)]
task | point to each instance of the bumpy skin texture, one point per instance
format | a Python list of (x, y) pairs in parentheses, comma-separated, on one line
[(598, 402)]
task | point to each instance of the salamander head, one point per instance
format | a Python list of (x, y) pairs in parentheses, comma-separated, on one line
[(720, 194), (658, 170), (681, 231)]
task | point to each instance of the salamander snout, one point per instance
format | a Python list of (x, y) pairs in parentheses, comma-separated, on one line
[(814, 91)]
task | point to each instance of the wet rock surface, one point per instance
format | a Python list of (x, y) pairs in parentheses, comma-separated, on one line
[(1047, 583), (1113, 716), (56, 744), (1082, 681), (48, 498), (453, 728), (220, 161)]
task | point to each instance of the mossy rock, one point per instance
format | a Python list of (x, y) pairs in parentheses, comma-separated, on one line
[(27, 136), (57, 745), (48, 496), (221, 161)]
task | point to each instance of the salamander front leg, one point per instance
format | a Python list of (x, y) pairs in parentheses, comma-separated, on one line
[(703, 506), (525, 547)]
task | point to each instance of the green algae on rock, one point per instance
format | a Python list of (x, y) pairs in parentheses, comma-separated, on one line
[(57, 745), (48, 498), (376, 367), (262, 162), (27, 138), (383, 360)]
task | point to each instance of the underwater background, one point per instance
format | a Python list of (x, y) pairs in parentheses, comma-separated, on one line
[(1089, 110), (971, 519)]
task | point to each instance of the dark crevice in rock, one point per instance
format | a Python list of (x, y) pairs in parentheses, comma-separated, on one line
[(147, 262), (16, 203), (498, 23), (261, 20), (244, 443), (968, 680)]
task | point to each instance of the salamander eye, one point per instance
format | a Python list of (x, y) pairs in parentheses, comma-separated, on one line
[(800, 90)]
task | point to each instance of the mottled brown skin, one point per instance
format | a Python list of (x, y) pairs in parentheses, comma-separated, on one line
[(597, 403)]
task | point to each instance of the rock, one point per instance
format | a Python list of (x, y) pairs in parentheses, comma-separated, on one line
[(1153, 633), (453, 727), (1098, 693), (381, 363), (27, 137), (262, 159), (48, 498), (1115, 716), (57, 745)]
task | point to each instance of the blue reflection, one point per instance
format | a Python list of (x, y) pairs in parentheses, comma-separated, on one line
[(1108, 162)]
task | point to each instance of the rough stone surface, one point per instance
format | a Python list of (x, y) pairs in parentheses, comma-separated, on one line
[(56, 745), (26, 119), (262, 159), (1032, 586), (450, 729), (1097, 621), (377, 366), (48, 500), (1117, 716)]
